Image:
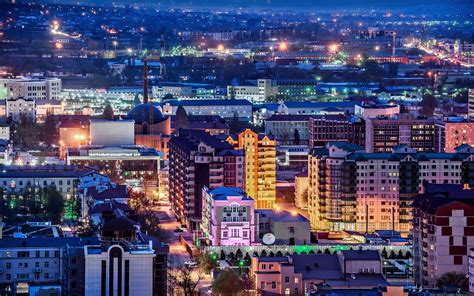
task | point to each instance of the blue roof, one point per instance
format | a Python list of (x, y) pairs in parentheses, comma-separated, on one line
[(319, 104), (208, 102), (221, 193)]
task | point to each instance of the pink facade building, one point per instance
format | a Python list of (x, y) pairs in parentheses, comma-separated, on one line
[(227, 217), (458, 133), (358, 271)]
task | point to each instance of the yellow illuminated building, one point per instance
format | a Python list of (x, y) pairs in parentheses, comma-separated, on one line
[(260, 166)]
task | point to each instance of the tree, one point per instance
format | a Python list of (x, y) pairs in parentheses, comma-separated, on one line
[(54, 204), (182, 119), (206, 263), (168, 97), (108, 112), (50, 130), (151, 225), (235, 124), (136, 99), (393, 69), (227, 283), (297, 137), (453, 278), (428, 104), (181, 281)]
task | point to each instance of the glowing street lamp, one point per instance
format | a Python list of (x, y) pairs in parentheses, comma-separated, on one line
[(377, 48), (115, 43), (220, 47), (333, 48), (58, 45), (283, 46)]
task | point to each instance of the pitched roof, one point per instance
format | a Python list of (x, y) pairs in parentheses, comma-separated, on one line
[(318, 266), (109, 192)]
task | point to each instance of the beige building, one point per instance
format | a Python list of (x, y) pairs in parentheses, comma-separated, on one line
[(260, 166), (46, 107)]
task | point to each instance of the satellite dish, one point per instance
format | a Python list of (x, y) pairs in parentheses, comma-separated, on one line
[(269, 238)]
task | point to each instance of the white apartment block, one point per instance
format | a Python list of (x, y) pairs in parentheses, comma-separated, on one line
[(20, 108), (24, 95), (264, 89), (4, 132), (31, 88), (117, 271)]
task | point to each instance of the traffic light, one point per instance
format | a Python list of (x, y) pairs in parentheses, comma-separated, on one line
[(214, 256), (241, 263)]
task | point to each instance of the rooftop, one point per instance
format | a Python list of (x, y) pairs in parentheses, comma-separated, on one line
[(361, 255), (281, 216), (50, 171), (208, 102), (222, 193), (52, 242)]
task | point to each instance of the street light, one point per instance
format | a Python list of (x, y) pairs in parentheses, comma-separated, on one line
[(283, 46), (333, 47), (115, 43)]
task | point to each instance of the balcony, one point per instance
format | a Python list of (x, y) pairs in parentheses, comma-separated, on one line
[(37, 269)]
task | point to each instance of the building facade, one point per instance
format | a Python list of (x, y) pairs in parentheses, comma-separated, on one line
[(259, 93), (327, 128), (422, 134), (260, 166), (443, 232), (228, 217), (306, 274), (226, 109), (43, 265), (288, 129), (198, 159), (350, 189)]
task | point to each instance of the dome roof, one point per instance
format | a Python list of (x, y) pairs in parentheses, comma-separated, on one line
[(141, 113)]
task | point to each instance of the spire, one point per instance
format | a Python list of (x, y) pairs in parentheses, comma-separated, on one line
[(145, 81)]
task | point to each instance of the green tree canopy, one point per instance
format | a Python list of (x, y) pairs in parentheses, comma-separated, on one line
[(428, 104), (453, 278), (54, 204), (228, 283)]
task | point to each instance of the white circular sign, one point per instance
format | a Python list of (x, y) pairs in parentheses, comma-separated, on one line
[(269, 239)]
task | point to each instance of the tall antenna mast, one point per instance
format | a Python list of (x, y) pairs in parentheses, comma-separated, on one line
[(145, 81)]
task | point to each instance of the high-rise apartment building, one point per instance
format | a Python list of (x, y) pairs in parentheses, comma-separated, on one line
[(350, 189), (443, 231), (198, 159), (260, 166)]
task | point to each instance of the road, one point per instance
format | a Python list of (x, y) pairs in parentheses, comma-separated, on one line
[(178, 254)]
